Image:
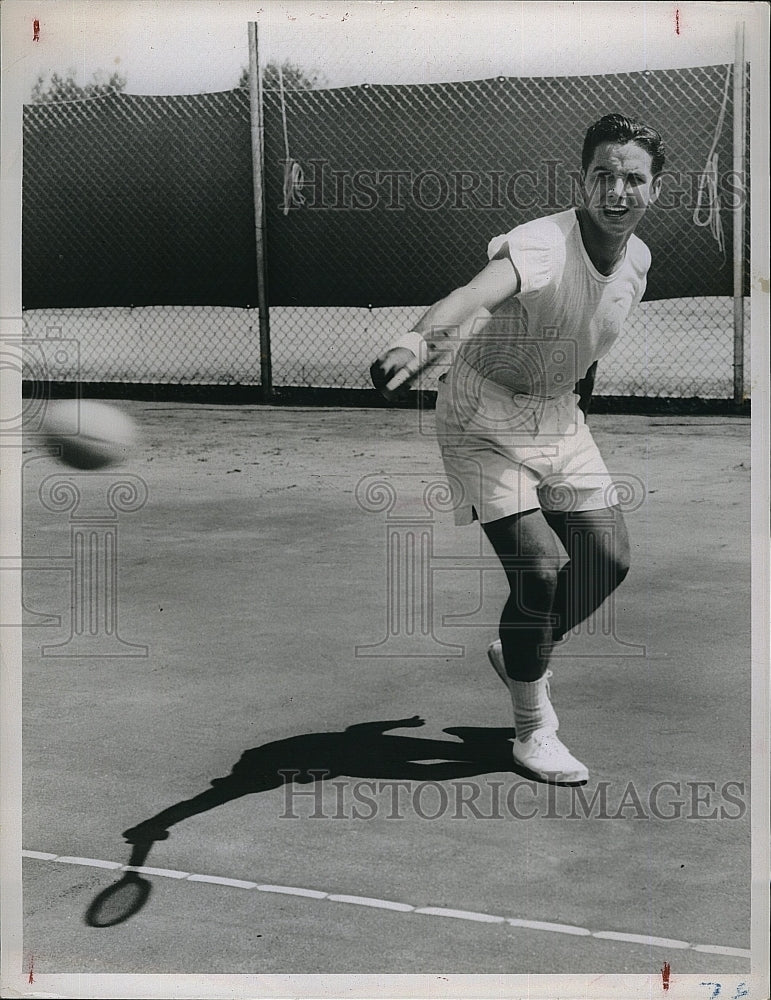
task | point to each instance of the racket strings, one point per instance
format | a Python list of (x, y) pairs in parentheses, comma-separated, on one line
[(708, 203), (293, 172)]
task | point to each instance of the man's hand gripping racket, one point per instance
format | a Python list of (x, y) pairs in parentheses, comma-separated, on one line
[(395, 371)]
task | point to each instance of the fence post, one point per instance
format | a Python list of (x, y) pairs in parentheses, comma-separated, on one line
[(260, 229), (739, 141)]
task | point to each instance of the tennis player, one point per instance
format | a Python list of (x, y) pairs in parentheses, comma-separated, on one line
[(523, 338)]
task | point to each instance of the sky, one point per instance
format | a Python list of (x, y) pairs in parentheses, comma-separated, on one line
[(196, 46)]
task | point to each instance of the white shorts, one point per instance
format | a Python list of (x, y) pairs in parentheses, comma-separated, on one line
[(505, 453)]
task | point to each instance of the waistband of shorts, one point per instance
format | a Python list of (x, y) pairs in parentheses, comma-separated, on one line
[(537, 398)]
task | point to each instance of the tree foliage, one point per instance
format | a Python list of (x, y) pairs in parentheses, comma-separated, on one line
[(66, 88), (294, 77)]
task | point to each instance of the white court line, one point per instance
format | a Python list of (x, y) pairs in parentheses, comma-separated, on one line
[(292, 890), (712, 949), (90, 862), (235, 883), (544, 925), (382, 904), (163, 872), (442, 911), (388, 904), (657, 942)]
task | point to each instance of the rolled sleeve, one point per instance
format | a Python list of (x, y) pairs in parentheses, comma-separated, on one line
[(534, 250)]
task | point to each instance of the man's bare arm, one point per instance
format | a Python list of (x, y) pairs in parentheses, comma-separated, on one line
[(449, 321)]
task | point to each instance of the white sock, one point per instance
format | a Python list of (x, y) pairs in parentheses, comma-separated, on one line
[(532, 707)]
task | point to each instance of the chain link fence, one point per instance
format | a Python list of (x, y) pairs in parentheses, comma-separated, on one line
[(138, 225)]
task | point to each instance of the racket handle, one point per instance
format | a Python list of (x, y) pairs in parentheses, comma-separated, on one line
[(403, 377)]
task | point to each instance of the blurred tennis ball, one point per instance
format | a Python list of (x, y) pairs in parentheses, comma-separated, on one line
[(87, 434)]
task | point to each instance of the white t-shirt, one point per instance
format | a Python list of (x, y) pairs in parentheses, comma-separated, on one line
[(566, 314)]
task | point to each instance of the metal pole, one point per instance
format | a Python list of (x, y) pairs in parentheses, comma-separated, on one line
[(740, 139), (260, 229)]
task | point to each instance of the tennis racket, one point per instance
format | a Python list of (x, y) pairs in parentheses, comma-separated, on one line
[(403, 378)]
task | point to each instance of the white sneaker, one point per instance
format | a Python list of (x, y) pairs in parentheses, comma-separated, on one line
[(547, 757)]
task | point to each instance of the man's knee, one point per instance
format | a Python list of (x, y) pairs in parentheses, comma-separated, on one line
[(613, 552), (536, 581)]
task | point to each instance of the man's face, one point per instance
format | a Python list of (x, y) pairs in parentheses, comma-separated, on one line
[(618, 187)]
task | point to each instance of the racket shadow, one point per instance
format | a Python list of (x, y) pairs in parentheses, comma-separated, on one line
[(362, 750), (123, 899)]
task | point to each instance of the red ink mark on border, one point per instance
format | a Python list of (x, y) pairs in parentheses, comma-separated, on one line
[(31, 969), (677, 22), (665, 976), (36, 30)]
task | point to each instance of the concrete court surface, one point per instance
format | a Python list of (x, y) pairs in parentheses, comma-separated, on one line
[(251, 573)]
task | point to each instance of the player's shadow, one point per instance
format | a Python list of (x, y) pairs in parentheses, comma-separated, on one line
[(363, 750)]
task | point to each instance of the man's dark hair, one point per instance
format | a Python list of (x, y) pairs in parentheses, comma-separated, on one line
[(618, 128)]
